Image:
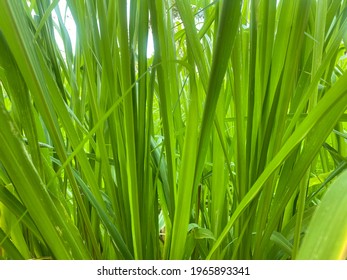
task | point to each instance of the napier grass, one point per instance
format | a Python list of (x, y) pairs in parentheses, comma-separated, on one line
[(224, 141)]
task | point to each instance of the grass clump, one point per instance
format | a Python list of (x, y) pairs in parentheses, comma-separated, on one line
[(218, 143)]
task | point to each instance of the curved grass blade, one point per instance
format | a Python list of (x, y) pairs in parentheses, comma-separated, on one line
[(10, 249), (326, 237), (18, 209)]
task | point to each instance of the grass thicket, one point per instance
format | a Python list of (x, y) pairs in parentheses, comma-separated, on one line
[(223, 142)]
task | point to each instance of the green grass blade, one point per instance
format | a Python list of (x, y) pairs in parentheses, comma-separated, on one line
[(185, 186), (326, 236), (228, 27), (9, 248), (17, 208)]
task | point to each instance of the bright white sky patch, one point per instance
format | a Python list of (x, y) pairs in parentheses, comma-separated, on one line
[(69, 24)]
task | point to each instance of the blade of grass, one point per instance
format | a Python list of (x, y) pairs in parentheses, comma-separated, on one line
[(326, 236), (9, 248)]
